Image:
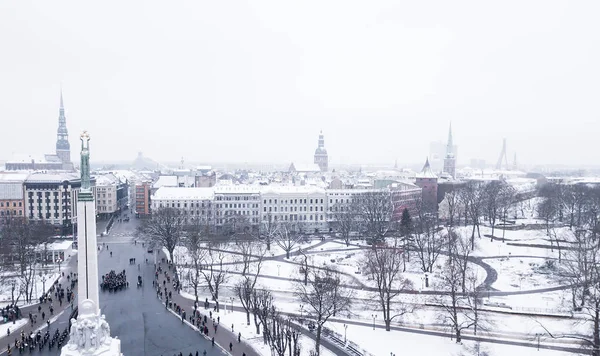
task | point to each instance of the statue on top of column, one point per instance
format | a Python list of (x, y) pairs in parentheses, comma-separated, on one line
[(85, 160)]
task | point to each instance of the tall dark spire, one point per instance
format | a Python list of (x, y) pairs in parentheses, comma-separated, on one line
[(63, 148), (450, 144)]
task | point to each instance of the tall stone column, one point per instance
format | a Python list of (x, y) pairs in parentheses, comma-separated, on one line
[(90, 333)]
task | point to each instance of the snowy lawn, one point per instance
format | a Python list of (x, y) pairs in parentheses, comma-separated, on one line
[(517, 273), (381, 343)]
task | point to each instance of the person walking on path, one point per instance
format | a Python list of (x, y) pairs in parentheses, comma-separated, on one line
[(230, 347), (239, 337)]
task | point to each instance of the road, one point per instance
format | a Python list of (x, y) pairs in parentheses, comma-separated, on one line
[(135, 315)]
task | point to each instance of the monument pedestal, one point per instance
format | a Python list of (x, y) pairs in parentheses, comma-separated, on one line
[(90, 334)]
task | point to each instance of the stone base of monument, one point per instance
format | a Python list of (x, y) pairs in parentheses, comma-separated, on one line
[(90, 334)]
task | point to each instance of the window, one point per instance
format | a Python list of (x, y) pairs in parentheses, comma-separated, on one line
[(311, 201), (321, 201)]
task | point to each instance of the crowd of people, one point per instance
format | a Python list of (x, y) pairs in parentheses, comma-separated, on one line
[(164, 291), (113, 281), (45, 310)]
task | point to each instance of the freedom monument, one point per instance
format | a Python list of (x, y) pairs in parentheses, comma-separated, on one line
[(90, 332)]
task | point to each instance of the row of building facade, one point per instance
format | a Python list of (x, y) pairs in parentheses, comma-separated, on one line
[(309, 208)]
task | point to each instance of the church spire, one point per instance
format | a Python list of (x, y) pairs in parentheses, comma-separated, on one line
[(63, 148), (450, 144)]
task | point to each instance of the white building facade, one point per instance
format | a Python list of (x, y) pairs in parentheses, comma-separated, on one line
[(195, 203), (237, 207), (305, 207)]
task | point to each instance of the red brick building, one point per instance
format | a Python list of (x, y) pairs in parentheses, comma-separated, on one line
[(428, 182)]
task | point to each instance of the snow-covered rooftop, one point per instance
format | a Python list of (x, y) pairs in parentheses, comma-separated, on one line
[(11, 190), (236, 188), (6, 177), (305, 167), (291, 189), (166, 181), (26, 158), (106, 180), (51, 177), (182, 193), (426, 172)]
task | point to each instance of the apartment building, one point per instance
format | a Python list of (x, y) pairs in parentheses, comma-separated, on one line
[(52, 197), (304, 207), (237, 208), (195, 203), (12, 204)]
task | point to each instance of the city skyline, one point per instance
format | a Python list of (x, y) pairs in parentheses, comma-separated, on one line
[(259, 86)]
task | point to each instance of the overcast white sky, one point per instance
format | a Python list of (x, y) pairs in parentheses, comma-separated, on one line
[(235, 81)]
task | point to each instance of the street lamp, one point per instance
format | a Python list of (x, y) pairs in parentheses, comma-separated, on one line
[(301, 310), (278, 270), (345, 329), (374, 317), (43, 277), (232, 304)]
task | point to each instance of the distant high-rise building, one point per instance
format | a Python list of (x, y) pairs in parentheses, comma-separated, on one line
[(321, 157), (450, 160)]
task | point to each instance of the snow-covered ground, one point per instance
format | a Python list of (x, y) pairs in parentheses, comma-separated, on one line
[(39, 284), (382, 343), (519, 268), (10, 326)]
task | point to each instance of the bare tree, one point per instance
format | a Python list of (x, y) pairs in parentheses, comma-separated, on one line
[(237, 226), (453, 302), (345, 219), (450, 207), (164, 228), (263, 310), (196, 233), (214, 272), (473, 197), (375, 210), (280, 334), (383, 265), (460, 247), (245, 288), (287, 237), (21, 238), (268, 229), (582, 270), (494, 194), (324, 297), (428, 244)]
